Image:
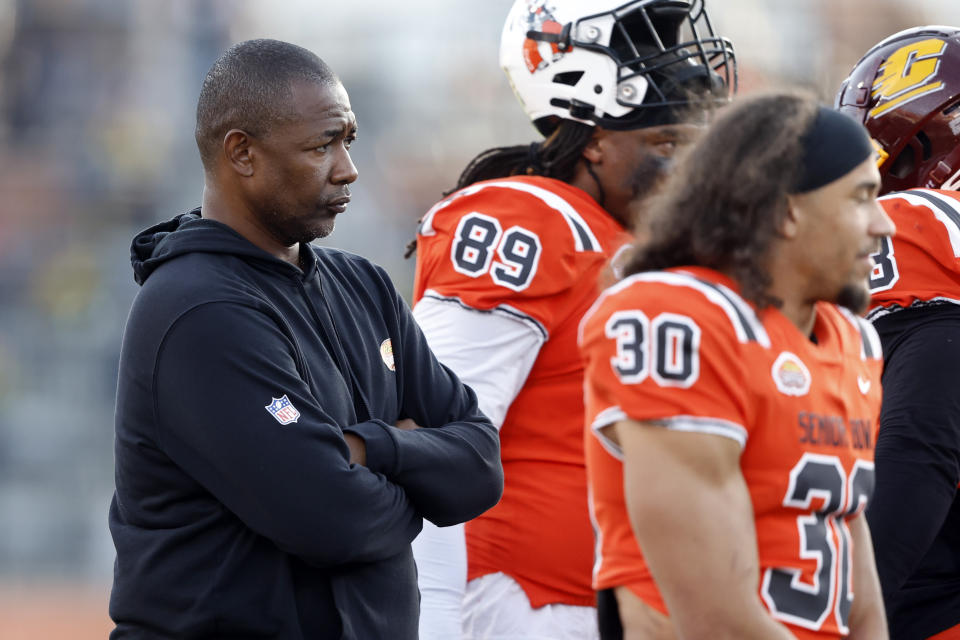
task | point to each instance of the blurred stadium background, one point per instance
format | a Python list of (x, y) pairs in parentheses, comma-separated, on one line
[(96, 142)]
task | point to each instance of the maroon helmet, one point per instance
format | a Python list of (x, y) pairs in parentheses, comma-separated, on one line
[(906, 91)]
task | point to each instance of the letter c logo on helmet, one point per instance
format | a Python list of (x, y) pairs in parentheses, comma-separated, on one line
[(906, 92), (909, 73)]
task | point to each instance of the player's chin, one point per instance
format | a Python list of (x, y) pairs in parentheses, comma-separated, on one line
[(323, 229), (854, 296), (320, 226)]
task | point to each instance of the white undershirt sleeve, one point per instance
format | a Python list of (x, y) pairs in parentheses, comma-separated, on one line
[(492, 352), (441, 555)]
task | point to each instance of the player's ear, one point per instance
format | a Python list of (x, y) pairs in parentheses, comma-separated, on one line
[(237, 151), (790, 222), (593, 152)]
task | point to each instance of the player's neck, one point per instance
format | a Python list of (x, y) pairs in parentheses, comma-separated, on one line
[(801, 313), (585, 182), (789, 285), (222, 206)]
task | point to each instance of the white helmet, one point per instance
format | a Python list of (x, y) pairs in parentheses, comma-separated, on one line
[(607, 62)]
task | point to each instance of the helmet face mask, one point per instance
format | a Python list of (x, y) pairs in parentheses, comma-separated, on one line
[(613, 63), (906, 92)]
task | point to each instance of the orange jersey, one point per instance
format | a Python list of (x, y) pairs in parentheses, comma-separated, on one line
[(535, 248), (922, 262), (681, 348)]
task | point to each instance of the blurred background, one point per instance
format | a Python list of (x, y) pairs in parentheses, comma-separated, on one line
[(97, 103)]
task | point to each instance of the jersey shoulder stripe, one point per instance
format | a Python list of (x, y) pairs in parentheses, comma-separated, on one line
[(946, 210), (583, 237), (870, 347), (752, 327), (743, 319)]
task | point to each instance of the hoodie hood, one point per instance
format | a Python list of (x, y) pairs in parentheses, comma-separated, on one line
[(188, 233)]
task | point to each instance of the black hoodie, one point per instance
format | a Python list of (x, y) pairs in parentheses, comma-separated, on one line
[(237, 513)]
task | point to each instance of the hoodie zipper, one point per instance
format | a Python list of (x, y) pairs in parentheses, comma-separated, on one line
[(335, 345)]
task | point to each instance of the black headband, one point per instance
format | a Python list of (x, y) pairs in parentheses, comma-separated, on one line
[(833, 146)]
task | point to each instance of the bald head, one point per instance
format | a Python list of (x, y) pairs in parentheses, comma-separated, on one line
[(250, 88)]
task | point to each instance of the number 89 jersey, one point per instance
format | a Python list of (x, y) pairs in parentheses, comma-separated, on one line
[(680, 348), (534, 249)]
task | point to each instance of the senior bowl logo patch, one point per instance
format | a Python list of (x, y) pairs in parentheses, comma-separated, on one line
[(790, 375), (283, 410), (386, 352)]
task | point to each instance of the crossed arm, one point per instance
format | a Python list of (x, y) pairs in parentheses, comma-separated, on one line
[(219, 361)]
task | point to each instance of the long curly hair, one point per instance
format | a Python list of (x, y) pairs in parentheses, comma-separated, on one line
[(722, 205)]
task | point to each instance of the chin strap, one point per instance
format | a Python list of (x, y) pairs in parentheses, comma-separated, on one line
[(600, 192)]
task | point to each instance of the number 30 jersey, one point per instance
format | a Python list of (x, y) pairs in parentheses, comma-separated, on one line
[(534, 249), (921, 263), (682, 349)]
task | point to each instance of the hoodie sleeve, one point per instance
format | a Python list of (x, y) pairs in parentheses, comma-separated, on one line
[(218, 369), (451, 469)]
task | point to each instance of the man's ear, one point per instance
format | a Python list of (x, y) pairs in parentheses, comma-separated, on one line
[(236, 149), (593, 152), (790, 225)]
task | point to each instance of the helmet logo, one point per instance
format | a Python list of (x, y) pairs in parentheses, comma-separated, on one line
[(539, 55), (909, 72)]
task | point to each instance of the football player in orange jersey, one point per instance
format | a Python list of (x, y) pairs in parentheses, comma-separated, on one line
[(732, 393), (508, 263), (906, 90)]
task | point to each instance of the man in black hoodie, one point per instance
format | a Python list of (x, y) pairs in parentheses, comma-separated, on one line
[(281, 426)]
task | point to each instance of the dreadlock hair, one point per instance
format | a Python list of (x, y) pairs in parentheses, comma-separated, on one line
[(723, 204), (555, 157)]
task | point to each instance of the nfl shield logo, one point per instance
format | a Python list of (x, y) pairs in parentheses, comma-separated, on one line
[(283, 410)]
